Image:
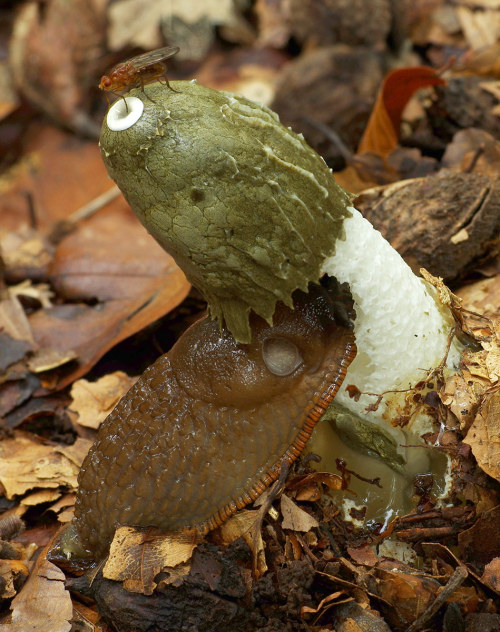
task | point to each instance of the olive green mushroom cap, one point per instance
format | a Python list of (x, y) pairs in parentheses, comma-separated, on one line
[(247, 209)]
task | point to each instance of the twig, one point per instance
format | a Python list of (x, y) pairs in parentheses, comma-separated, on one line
[(93, 206), (453, 583)]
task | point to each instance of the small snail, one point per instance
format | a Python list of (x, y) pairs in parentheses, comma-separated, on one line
[(205, 429)]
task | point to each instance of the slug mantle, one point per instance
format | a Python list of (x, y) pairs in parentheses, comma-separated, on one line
[(205, 429)]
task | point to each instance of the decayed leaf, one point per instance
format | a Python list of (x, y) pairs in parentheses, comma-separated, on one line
[(491, 575), (11, 572), (41, 496), (25, 464), (484, 436), (382, 132), (54, 53), (473, 151), (93, 401), (481, 543), (134, 286), (294, 517), (13, 320), (136, 556), (363, 555), (309, 486), (43, 605), (247, 524), (409, 594)]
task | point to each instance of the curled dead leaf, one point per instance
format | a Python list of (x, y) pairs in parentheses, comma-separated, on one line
[(93, 401), (381, 135), (137, 556), (294, 517), (484, 435)]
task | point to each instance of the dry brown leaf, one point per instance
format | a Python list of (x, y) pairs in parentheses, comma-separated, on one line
[(294, 517), (409, 594), (363, 555), (47, 359), (309, 486), (133, 23), (484, 436), (93, 401), (481, 543), (87, 618), (491, 575), (25, 464), (12, 574), (381, 135), (64, 507), (55, 52), (473, 151), (461, 395), (479, 27), (41, 496), (13, 320), (134, 286), (136, 556), (43, 605), (484, 62), (482, 296), (246, 524)]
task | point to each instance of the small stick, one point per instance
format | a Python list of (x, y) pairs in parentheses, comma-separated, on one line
[(97, 203)]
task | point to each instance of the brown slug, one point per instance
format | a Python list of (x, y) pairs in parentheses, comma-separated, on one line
[(204, 431)]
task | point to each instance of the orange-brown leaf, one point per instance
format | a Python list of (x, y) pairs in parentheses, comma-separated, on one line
[(381, 135)]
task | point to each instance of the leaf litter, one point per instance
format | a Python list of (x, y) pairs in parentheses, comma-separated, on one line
[(67, 295)]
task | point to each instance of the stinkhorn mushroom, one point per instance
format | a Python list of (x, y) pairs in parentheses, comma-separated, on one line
[(252, 215)]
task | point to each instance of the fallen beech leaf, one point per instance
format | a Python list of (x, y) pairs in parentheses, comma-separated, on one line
[(294, 517), (13, 320), (473, 151), (382, 132), (491, 575), (481, 543), (47, 359), (112, 259), (409, 594), (363, 555), (484, 436), (246, 524), (41, 496), (43, 605), (25, 464), (93, 401), (136, 556), (12, 573)]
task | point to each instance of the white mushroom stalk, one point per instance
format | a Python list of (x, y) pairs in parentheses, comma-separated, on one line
[(402, 330)]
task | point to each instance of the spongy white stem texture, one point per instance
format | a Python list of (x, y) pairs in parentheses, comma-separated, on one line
[(401, 329)]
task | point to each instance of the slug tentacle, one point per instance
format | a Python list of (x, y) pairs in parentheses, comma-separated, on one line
[(205, 429)]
